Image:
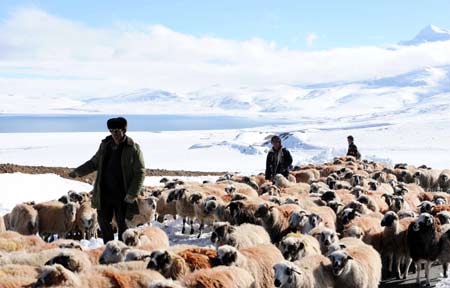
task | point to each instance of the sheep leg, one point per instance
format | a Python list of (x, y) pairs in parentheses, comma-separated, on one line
[(390, 262), (445, 267), (427, 272), (184, 224), (408, 264), (191, 222), (200, 229), (418, 266)]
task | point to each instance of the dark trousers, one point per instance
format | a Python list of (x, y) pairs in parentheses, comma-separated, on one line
[(105, 216)]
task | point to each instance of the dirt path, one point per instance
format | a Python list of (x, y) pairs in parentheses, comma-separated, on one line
[(64, 171)]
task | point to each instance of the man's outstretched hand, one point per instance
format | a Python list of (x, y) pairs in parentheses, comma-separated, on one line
[(130, 199), (73, 174)]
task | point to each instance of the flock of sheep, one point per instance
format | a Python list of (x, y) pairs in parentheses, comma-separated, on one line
[(338, 224)]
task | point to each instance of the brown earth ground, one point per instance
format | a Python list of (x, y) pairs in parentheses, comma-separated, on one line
[(64, 171)]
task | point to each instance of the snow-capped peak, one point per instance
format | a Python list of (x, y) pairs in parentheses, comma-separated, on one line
[(430, 33)]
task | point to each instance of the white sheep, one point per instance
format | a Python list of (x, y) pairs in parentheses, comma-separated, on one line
[(310, 272), (152, 237), (116, 251), (296, 246), (356, 267), (243, 236), (220, 276), (258, 260)]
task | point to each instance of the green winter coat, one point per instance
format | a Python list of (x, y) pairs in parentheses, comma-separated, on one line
[(133, 169)]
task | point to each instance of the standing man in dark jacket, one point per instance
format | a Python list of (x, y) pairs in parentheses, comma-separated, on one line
[(352, 149), (120, 175), (278, 160)]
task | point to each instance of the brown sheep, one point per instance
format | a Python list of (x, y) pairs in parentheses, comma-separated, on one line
[(12, 241), (275, 219), (24, 219), (394, 239), (14, 275), (56, 218)]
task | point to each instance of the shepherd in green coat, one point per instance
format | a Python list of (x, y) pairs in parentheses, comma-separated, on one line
[(120, 176)]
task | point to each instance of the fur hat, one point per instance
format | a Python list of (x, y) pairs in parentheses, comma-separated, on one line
[(117, 123)]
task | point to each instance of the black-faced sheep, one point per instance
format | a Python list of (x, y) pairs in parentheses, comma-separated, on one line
[(245, 235), (423, 243)]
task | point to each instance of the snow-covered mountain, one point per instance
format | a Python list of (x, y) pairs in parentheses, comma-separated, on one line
[(430, 33), (139, 96)]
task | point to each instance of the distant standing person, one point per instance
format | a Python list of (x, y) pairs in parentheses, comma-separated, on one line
[(278, 160), (120, 168), (352, 149)]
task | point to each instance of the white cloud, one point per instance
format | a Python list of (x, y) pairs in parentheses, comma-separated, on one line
[(310, 39), (42, 55)]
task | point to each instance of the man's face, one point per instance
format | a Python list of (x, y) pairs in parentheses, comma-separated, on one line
[(350, 141), (117, 134), (276, 144)]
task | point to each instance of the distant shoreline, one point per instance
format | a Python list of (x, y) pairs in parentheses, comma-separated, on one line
[(56, 123)]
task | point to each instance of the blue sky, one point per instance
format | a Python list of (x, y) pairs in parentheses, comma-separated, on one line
[(329, 24)]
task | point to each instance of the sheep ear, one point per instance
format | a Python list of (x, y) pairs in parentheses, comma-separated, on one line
[(349, 257), (342, 246)]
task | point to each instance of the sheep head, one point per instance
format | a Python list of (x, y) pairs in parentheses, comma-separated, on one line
[(159, 260), (263, 210), (285, 273), (328, 237), (339, 260), (424, 222), (290, 247), (70, 211), (195, 198), (389, 218), (426, 207), (55, 275), (227, 255), (222, 231), (348, 214), (114, 252), (297, 220)]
